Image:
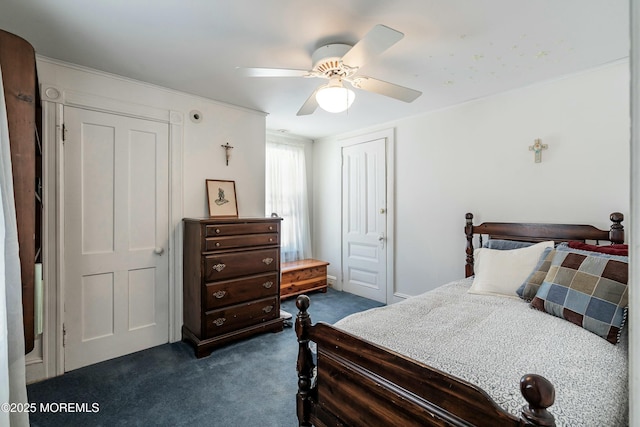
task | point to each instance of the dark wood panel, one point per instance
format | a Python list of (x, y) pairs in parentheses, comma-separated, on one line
[(371, 362), (358, 399), (17, 59), (191, 278)]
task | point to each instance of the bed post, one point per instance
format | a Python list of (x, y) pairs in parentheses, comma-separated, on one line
[(539, 394), (468, 230), (616, 233), (305, 361)]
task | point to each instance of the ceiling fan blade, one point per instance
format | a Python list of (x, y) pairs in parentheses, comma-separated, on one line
[(273, 72), (385, 88), (376, 41), (309, 105)]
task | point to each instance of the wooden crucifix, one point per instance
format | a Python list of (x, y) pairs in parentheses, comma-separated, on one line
[(537, 148), (227, 151)]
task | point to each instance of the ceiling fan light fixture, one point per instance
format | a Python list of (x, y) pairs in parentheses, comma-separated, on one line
[(334, 97)]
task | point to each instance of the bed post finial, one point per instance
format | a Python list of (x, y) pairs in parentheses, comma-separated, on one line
[(468, 230), (616, 233), (539, 394), (305, 363)]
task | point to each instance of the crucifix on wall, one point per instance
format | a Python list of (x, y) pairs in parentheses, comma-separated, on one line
[(537, 148), (227, 151)]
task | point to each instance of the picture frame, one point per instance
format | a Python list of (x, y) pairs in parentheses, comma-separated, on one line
[(221, 198)]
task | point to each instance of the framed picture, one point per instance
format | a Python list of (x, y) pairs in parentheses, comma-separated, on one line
[(221, 196)]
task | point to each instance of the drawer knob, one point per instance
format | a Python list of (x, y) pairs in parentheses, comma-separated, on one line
[(270, 239), (267, 309), (217, 231), (219, 294), (217, 244), (219, 321), (267, 260), (267, 285), (219, 267), (271, 227)]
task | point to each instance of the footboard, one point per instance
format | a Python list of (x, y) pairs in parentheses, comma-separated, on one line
[(357, 383)]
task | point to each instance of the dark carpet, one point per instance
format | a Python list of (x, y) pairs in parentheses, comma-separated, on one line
[(248, 383)]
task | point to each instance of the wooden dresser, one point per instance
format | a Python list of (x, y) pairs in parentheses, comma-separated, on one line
[(231, 281), (302, 276)]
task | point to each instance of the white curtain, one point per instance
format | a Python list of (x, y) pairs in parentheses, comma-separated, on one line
[(286, 195), (12, 363)]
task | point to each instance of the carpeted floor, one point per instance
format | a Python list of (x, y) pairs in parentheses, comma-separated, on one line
[(248, 383)]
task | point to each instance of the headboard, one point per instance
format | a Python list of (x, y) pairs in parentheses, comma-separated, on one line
[(532, 232)]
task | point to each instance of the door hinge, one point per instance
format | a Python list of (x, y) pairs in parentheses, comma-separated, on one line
[(64, 335), (64, 132)]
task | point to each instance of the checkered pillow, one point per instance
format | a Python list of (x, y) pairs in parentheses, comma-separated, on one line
[(586, 289), (528, 290)]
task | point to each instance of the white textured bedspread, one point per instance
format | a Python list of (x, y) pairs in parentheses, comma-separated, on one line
[(492, 341)]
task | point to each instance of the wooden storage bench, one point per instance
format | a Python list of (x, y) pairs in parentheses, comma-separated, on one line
[(302, 276)]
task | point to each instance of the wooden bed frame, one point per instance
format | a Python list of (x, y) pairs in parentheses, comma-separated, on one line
[(358, 383)]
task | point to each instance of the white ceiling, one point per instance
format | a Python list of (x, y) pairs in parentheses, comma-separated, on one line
[(453, 51)]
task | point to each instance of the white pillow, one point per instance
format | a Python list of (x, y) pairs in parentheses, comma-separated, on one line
[(502, 272)]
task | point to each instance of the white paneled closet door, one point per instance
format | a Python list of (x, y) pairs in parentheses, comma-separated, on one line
[(116, 225), (364, 231)]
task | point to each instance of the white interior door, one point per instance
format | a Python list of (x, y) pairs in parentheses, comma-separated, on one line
[(116, 273), (364, 233)]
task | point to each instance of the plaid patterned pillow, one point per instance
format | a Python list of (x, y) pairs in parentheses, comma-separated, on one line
[(586, 289), (528, 290)]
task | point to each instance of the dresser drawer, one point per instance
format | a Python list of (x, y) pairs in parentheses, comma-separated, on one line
[(226, 266), (240, 241), (239, 316), (229, 292), (212, 230)]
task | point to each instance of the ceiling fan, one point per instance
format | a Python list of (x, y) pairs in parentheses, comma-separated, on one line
[(340, 63)]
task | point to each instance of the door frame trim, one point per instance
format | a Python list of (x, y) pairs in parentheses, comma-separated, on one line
[(54, 99), (389, 137)]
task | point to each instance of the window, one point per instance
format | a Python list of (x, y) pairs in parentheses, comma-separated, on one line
[(286, 195)]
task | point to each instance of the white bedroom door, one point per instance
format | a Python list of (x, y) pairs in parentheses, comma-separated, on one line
[(116, 225), (364, 210)]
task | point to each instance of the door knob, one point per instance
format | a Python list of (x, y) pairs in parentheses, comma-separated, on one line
[(158, 251)]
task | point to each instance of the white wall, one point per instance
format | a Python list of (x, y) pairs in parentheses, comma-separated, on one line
[(202, 155), (475, 158), (327, 210)]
